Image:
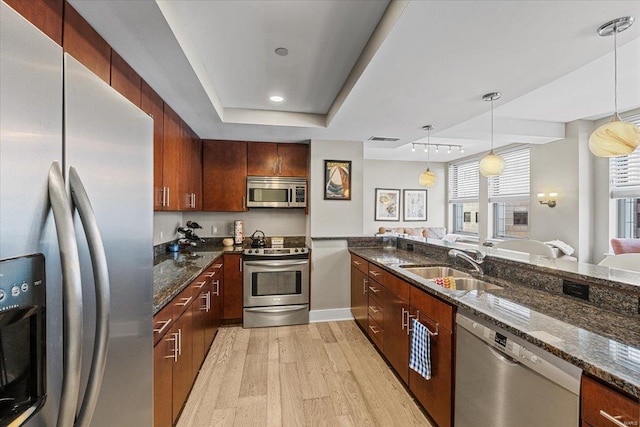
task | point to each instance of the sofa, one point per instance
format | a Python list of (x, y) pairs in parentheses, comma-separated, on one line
[(428, 232)]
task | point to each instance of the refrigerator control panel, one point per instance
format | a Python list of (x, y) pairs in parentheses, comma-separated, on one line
[(22, 282)]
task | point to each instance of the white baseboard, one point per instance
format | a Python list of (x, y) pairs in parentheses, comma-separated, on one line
[(330, 315)]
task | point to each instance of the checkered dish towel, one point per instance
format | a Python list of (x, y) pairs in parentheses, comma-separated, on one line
[(420, 357)]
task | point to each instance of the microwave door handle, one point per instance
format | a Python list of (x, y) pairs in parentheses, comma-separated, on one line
[(71, 294), (290, 196), (103, 298)]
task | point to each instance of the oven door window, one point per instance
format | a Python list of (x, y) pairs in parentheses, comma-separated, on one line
[(276, 283), (21, 361), (269, 194)]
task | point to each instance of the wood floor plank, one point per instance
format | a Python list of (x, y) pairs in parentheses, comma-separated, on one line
[(324, 374), (251, 411), (292, 407), (254, 375), (274, 394)]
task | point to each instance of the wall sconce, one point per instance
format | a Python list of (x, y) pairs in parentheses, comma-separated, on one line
[(549, 201)]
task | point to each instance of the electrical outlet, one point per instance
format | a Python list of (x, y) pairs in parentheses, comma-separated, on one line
[(161, 234)]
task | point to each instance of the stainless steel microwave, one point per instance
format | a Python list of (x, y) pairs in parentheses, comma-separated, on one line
[(276, 192)]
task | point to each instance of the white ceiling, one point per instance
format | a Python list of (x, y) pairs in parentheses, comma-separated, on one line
[(427, 62)]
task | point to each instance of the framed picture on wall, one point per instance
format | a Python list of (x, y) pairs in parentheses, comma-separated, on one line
[(415, 205), (387, 204), (337, 179)]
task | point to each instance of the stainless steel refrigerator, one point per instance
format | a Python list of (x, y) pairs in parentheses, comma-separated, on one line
[(52, 109)]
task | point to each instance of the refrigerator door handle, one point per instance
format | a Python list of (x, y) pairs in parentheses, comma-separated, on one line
[(103, 297), (72, 296)]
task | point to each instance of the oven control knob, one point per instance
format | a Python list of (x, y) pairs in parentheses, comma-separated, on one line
[(296, 250), (2, 295), (24, 287), (15, 290)]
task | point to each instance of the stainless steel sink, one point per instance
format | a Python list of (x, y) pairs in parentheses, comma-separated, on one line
[(433, 272)]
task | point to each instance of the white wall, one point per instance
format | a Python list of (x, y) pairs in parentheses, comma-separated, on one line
[(330, 280), (402, 175), (332, 218), (165, 225), (274, 222), (564, 167)]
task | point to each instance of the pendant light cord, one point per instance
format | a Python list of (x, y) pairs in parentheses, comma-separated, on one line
[(428, 149), (492, 124)]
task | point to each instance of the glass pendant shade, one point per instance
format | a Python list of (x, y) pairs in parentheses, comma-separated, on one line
[(427, 178), (615, 138), (491, 164)]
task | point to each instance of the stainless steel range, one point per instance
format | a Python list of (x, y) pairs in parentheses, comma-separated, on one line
[(276, 287)]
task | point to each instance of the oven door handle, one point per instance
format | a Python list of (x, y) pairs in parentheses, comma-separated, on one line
[(276, 264), (72, 296), (103, 298), (277, 309)]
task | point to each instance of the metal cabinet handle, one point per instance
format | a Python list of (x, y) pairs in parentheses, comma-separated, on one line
[(210, 274), (403, 323), (373, 329), (217, 291), (357, 262), (208, 302), (168, 197), (374, 273), (375, 291), (164, 326), (614, 419), (364, 286), (244, 203), (279, 165), (217, 266), (200, 285), (174, 351), (180, 342), (184, 302), (374, 309), (240, 263)]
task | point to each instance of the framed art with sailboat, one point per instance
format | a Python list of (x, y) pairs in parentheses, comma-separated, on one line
[(337, 179)]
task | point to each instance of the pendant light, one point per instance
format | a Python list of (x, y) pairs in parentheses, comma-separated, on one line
[(616, 137), (491, 164), (427, 178)]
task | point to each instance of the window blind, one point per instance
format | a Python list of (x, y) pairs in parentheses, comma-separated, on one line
[(514, 182), (464, 182), (624, 171)]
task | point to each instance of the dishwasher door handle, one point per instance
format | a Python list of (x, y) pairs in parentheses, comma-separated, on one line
[(502, 357)]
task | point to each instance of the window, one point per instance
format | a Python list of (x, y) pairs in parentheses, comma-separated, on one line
[(624, 173), (464, 190), (509, 195)]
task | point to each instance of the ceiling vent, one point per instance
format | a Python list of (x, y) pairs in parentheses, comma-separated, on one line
[(383, 139)]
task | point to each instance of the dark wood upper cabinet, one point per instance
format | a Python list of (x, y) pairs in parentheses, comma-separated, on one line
[(171, 159), (196, 171), (224, 175), (124, 79), (84, 43), (151, 103), (271, 159), (44, 14)]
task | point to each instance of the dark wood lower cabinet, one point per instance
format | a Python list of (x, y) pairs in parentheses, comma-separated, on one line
[(232, 290), (163, 355), (359, 297), (198, 323), (396, 336)]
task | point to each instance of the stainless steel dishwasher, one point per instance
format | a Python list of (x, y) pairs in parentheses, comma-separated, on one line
[(502, 380)]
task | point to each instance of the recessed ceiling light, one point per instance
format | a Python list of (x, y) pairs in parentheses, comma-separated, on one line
[(276, 98), (282, 51)]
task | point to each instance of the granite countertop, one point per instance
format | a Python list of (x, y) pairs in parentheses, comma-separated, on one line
[(601, 343), (173, 271)]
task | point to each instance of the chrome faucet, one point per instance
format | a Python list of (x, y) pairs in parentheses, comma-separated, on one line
[(475, 263)]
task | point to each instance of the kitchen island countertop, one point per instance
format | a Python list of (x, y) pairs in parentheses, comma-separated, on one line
[(601, 343)]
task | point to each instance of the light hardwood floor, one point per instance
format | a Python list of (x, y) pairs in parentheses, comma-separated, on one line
[(322, 374)]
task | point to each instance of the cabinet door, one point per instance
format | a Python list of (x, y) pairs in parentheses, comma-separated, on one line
[(171, 159), (151, 103), (182, 370), (232, 289), (436, 394), (196, 172), (599, 399), (359, 298), (124, 79), (396, 336), (224, 176), (184, 174), (215, 303), (163, 356), (84, 43), (198, 322), (293, 159), (262, 159)]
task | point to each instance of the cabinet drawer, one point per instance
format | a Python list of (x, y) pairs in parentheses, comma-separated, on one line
[(432, 307), (360, 264), (162, 322), (375, 311), (182, 301), (376, 291), (398, 287), (600, 402), (378, 274), (376, 333)]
